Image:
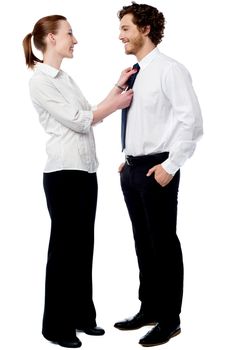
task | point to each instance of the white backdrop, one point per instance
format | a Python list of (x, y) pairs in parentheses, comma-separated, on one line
[(198, 33)]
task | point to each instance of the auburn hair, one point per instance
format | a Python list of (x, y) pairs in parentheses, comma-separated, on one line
[(42, 28)]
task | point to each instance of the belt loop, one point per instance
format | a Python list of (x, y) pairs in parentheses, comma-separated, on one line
[(127, 159)]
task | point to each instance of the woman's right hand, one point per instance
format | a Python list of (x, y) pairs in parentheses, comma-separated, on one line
[(124, 99), (125, 75), (112, 102)]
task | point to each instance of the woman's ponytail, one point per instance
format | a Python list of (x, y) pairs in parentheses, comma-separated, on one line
[(30, 58), (42, 28)]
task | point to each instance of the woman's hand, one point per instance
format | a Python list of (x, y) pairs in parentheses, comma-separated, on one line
[(124, 99), (111, 103), (124, 77)]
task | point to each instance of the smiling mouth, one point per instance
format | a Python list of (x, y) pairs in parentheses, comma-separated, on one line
[(126, 45)]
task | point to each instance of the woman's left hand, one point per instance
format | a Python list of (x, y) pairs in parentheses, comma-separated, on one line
[(125, 74)]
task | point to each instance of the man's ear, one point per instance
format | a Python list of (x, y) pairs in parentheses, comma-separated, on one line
[(146, 30)]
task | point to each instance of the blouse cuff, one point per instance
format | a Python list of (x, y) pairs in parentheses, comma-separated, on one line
[(94, 108)]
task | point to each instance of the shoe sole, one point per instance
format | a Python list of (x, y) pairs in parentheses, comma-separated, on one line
[(132, 329), (65, 345), (174, 334), (60, 342)]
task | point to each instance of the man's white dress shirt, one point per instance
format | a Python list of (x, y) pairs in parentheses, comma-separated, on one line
[(66, 116), (165, 115)]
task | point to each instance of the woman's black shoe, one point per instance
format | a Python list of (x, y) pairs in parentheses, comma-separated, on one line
[(73, 342), (92, 330)]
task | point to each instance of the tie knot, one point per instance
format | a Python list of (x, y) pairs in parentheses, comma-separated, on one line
[(136, 66)]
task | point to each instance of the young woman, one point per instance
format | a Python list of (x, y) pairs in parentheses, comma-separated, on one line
[(69, 179)]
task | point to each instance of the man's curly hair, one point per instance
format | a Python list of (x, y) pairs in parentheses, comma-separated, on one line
[(146, 15)]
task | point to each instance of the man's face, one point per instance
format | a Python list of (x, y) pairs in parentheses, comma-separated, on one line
[(130, 35)]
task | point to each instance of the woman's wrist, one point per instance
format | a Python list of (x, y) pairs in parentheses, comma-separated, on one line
[(119, 87)]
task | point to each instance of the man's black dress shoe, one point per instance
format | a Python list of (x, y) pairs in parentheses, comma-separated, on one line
[(73, 342), (159, 335), (138, 321), (92, 330)]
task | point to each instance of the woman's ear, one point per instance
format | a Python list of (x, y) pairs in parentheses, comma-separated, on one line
[(51, 38)]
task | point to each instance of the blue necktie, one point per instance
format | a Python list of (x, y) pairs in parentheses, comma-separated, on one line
[(124, 112)]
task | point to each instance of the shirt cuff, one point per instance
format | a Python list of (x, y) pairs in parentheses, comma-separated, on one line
[(85, 121), (170, 167)]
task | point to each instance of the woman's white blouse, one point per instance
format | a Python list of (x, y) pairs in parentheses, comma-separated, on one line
[(67, 117)]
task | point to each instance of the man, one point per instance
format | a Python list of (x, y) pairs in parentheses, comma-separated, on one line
[(163, 125)]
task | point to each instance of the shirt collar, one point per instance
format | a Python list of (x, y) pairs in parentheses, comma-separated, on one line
[(49, 70), (148, 58)]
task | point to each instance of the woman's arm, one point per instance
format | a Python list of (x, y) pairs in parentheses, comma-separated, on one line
[(117, 98), (111, 103), (47, 98)]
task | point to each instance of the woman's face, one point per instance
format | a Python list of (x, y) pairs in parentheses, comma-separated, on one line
[(64, 40)]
